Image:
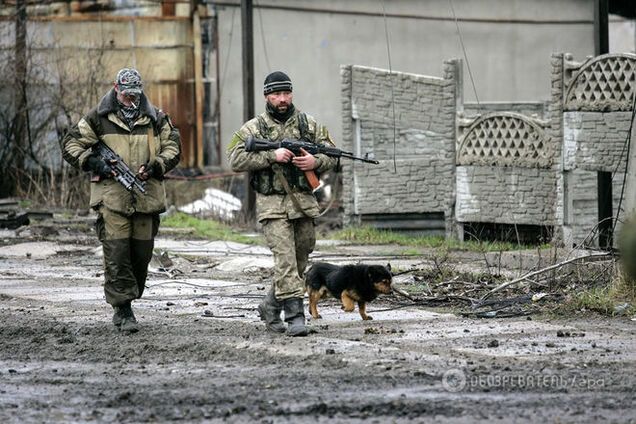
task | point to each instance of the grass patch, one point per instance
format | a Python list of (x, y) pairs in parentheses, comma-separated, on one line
[(207, 228), (369, 235), (617, 298), (596, 299)]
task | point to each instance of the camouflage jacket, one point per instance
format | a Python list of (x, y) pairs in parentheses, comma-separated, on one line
[(132, 145), (279, 205)]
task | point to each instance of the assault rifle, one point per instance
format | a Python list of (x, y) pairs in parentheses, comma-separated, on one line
[(254, 144), (123, 173)]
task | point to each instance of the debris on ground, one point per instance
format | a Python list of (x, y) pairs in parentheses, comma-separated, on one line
[(203, 355), (216, 204)]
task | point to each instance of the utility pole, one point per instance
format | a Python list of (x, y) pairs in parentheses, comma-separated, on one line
[(247, 29), (20, 99), (604, 178)]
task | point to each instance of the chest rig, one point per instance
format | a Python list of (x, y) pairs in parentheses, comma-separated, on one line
[(264, 181)]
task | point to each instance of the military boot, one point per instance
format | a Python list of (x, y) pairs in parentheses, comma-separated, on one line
[(269, 310), (295, 317), (128, 320)]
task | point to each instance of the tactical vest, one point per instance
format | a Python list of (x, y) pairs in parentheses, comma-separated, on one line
[(265, 182)]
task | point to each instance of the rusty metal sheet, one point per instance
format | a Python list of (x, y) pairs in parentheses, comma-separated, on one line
[(177, 99), (163, 33), (161, 49)]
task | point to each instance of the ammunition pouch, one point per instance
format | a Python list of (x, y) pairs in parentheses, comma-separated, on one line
[(265, 181)]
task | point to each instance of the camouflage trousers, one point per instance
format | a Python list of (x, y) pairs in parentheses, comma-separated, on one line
[(128, 242), (291, 242)]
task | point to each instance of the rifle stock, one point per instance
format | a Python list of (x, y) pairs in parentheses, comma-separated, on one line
[(312, 179)]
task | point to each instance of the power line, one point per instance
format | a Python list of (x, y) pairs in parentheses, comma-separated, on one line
[(388, 52), (227, 55), (260, 19), (461, 41), (342, 11)]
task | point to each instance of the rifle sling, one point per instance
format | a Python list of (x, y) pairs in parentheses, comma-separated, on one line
[(285, 184)]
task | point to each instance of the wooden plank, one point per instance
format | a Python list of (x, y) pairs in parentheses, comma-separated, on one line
[(198, 87)]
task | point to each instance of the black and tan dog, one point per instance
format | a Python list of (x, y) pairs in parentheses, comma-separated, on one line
[(349, 283)]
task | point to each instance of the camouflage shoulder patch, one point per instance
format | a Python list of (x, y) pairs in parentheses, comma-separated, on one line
[(236, 139), (248, 129)]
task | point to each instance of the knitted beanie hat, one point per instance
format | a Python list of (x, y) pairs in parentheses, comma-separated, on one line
[(277, 81)]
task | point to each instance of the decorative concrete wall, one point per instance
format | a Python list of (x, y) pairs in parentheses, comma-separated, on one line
[(408, 123), (504, 170), (595, 141), (597, 111), (505, 195), (532, 163)]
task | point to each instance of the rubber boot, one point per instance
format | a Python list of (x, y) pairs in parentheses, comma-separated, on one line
[(120, 285), (295, 317), (269, 310), (117, 316), (128, 320), (140, 256)]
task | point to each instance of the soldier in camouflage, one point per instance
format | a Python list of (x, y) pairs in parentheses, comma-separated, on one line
[(285, 211), (127, 221)]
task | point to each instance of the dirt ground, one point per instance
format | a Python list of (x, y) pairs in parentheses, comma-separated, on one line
[(202, 354)]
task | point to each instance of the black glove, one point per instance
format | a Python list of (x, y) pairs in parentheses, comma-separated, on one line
[(153, 170), (98, 166)]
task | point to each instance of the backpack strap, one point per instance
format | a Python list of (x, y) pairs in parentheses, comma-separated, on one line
[(154, 129), (303, 127), (281, 179), (262, 127)]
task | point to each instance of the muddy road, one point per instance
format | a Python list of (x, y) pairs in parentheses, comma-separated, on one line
[(202, 354)]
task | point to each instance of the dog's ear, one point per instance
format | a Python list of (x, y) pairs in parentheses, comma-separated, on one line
[(388, 266)]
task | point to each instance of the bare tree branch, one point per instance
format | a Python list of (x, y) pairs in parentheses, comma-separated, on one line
[(547, 269)]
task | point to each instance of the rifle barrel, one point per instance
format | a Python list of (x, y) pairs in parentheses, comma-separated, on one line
[(350, 156), (254, 144)]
